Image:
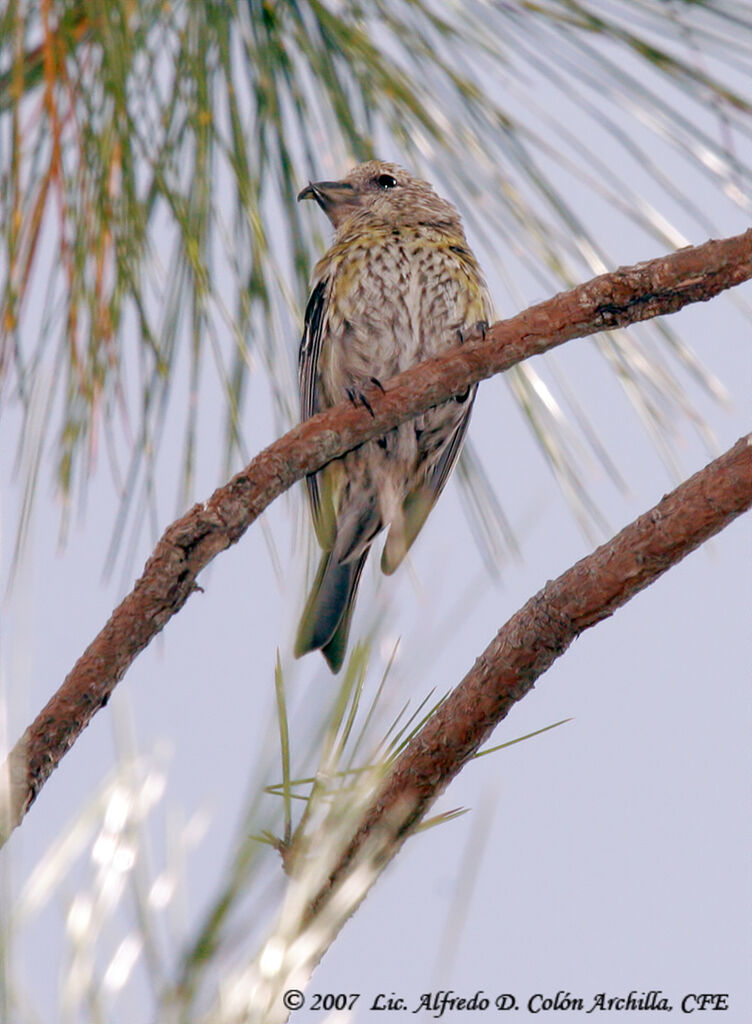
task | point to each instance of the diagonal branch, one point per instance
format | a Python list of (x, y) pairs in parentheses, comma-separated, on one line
[(535, 637), (625, 296)]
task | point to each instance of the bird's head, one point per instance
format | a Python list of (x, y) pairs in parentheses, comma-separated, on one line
[(379, 191)]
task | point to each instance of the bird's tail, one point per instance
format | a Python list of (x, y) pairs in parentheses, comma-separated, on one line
[(325, 623)]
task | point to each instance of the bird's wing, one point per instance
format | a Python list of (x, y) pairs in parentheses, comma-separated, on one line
[(308, 360), (444, 466), (418, 503), (443, 469)]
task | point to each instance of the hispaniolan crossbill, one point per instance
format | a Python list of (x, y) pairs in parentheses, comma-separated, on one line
[(398, 285)]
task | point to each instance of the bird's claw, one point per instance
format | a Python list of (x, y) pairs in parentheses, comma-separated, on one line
[(358, 398), (479, 329)]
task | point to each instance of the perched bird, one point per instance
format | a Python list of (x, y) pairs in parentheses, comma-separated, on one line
[(398, 285)]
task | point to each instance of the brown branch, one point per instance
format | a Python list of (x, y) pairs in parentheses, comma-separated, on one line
[(537, 635), (613, 300)]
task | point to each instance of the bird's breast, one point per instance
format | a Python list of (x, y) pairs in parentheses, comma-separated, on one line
[(396, 298)]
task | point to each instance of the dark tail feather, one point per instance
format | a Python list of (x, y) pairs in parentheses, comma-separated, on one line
[(325, 623)]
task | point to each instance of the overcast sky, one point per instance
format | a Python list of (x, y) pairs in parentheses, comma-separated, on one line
[(608, 855)]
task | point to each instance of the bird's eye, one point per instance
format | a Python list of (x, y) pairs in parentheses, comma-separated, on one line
[(386, 181)]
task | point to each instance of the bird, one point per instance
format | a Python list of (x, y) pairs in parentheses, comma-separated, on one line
[(398, 285)]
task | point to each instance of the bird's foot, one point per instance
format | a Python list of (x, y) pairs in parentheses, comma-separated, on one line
[(357, 398), (478, 330)]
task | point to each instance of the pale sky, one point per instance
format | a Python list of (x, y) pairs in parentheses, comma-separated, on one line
[(608, 855)]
